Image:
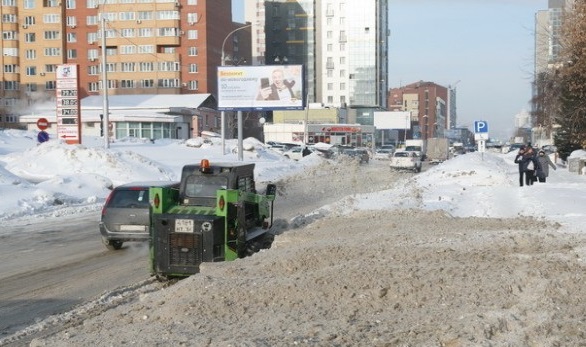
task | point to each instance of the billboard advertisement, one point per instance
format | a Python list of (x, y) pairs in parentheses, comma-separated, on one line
[(392, 120), (260, 88)]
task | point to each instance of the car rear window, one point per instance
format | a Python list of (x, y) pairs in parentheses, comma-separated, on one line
[(130, 198), (401, 154)]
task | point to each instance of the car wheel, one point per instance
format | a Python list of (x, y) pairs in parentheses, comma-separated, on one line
[(113, 245)]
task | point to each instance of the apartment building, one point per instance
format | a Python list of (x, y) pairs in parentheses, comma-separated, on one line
[(133, 46), (427, 103)]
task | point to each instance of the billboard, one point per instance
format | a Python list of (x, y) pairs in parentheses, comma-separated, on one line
[(262, 88), (392, 120)]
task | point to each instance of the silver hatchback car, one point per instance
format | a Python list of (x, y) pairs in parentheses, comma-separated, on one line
[(126, 213)]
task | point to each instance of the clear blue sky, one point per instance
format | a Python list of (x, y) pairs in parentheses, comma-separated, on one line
[(487, 45)]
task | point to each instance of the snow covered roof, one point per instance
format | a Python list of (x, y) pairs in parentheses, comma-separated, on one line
[(153, 101), (158, 102)]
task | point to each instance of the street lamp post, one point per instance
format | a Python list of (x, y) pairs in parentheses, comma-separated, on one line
[(105, 104), (223, 114)]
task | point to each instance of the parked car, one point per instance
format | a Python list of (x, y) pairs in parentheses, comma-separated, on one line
[(383, 153), (406, 160), (125, 214), (357, 153), (295, 153)]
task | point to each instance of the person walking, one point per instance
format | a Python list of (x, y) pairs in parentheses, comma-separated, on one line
[(519, 161), (544, 164), (528, 164), (531, 165)]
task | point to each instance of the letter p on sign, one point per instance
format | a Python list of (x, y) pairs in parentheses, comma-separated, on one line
[(480, 126)]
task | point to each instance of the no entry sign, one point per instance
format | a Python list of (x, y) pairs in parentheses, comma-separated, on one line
[(42, 123)]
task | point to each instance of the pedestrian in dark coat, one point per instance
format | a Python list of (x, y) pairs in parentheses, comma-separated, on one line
[(528, 164), (531, 165), (544, 164), (519, 161)]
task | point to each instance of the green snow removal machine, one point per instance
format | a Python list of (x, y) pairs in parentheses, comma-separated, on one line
[(216, 215)]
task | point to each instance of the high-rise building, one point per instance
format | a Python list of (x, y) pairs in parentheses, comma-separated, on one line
[(427, 103), (548, 25), (342, 44), (151, 47)]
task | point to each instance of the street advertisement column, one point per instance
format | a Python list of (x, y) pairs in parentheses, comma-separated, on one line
[(68, 105)]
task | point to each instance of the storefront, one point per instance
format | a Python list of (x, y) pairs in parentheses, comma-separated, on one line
[(335, 134)]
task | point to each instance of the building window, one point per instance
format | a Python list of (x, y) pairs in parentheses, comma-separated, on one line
[(70, 4), (169, 66), (193, 85), (192, 34), (28, 4), (11, 68), (11, 85), (9, 35), (164, 15), (168, 83), (192, 68), (111, 67), (146, 67), (71, 37), (127, 32), (51, 18), (146, 49), (93, 86), (30, 54), (9, 18), (30, 37), (127, 84), (28, 20), (145, 32), (52, 35), (192, 51), (128, 49), (31, 87), (72, 54), (147, 83), (192, 18), (93, 70), (31, 70), (145, 15), (91, 20), (92, 38), (52, 52), (127, 15), (50, 85), (128, 67)]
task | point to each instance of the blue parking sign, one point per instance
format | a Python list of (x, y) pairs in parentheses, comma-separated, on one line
[(480, 126)]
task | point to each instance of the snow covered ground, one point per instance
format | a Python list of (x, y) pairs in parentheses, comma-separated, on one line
[(54, 179), (447, 258)]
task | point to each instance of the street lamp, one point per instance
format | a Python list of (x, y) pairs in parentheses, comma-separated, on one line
[(223, 114)]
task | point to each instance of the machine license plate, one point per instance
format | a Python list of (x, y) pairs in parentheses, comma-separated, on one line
[(133, 228), (184, 225)]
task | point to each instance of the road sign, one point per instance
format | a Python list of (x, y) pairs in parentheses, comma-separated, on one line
[(42, 136), (480, 126), (42, 123)]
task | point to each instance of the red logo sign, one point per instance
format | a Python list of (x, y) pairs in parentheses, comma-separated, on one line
[(42, 123)]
